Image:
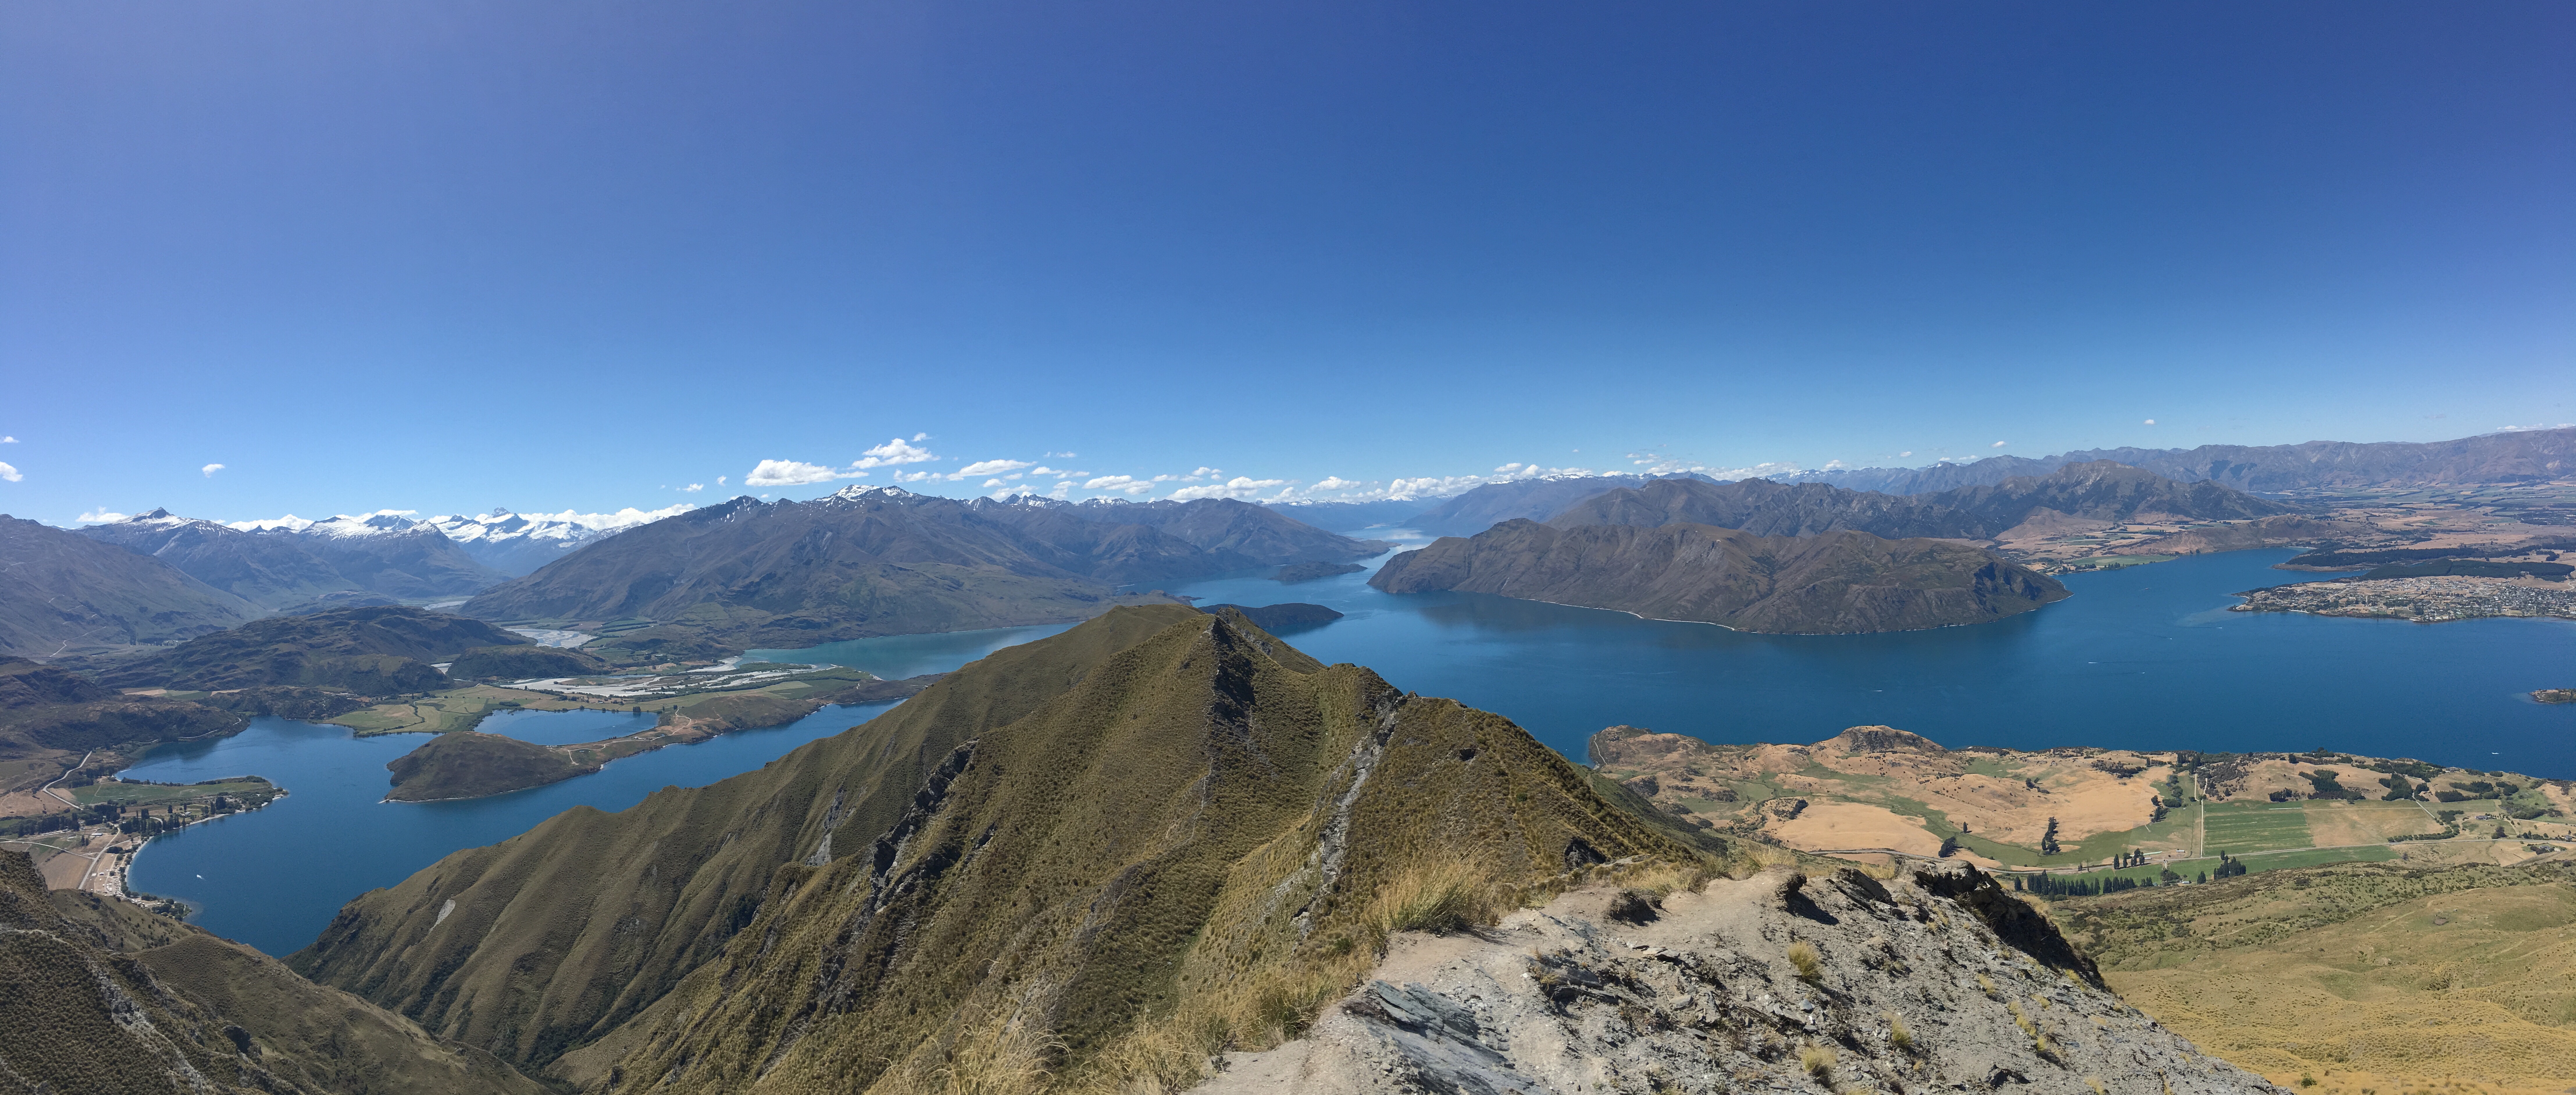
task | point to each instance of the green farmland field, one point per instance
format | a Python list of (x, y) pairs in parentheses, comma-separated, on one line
[(2240, 827)]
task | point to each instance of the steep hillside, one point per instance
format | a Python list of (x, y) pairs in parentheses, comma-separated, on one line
[(1833, 583), (1102, 854), (61, 591), (47, 711), (370, 651), (102, 998), (294, 562), (882, 561)]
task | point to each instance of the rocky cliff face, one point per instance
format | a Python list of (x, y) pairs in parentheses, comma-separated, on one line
[(1935, 981), (1835, 583)]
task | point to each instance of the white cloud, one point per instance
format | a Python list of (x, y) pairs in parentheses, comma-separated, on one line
[(2533, 426), (1908, 452), (720, 480), (211, 469), (991, 467), (1237, 487), (2151, 422), (915, 476), (1063, 489), (8, 441), (1203, 472), (1335, 482), (1060, 455), (624, 518), (787, 473), (997, 483), (693, 488), (10, 474), (1058, 472), (1999, 444), (290, 522), (925, 436), (1124, 483), (1835, 465), (897, 451), (99, 516)]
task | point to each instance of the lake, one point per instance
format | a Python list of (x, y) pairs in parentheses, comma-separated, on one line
[(2145, 657)]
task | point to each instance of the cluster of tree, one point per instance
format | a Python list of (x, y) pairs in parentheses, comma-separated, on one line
[(2158, 802), (2326, 783), (2228, 868), (2130, 858), (2399, 789), (2048, 840), (37, 826)]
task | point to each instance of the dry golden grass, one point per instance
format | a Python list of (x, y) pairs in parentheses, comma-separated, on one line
[(1802, 954)]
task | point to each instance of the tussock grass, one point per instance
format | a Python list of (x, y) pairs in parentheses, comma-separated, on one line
[(1897, 1035), (1818, 1060), (1802, 955)]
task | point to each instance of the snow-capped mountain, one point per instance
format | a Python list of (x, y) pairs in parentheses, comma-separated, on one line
[(519, 543), (291, 562)]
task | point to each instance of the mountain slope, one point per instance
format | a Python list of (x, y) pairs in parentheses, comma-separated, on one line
[(882, 561), (62, 591), (2104, 490), (373, 651), (102, 997), (49, 710), (1160, 817), (395, 556), (1832, 583)]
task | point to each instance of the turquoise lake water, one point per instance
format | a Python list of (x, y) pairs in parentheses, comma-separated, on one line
[(2145, 657)]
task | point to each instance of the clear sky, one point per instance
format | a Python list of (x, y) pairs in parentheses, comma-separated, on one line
[(578, 254)]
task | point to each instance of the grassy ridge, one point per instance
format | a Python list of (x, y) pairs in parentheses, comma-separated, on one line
[(1170, 830)]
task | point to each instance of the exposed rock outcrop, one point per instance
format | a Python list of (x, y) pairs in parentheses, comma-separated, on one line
[(1938, 980)]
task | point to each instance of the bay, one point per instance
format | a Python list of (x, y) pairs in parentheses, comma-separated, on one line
[(273, 878)]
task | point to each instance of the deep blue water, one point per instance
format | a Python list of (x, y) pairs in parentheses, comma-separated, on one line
[(273, 878), (2142, 657), (2146, 657)]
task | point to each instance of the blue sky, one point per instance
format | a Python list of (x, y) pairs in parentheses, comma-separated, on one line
[(449, 256)]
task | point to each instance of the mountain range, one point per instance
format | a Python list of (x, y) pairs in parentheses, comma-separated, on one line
[(516, 544), (1839, 582), (2491, 458), (2512, 457), (884, 561), (2100, 490), (294, 565), (63, 592)]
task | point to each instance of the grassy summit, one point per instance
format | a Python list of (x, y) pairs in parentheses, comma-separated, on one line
[(1100, 855)]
